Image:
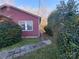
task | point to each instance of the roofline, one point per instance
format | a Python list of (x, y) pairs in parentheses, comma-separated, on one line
[(19, 10)]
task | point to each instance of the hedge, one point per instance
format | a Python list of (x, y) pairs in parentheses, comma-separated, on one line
[(10, 33)]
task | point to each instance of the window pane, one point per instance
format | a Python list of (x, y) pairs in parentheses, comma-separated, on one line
[(29, 25), (23, 26)]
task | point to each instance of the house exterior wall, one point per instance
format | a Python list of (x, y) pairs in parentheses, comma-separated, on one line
[(17, 15)]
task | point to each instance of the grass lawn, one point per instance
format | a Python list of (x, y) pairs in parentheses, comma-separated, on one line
[(48, 52), (23, 42)]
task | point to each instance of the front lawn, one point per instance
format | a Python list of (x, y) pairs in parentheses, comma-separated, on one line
[(22, 43), (48, 52)]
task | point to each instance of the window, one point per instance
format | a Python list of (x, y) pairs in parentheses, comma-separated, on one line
[(26, 25)]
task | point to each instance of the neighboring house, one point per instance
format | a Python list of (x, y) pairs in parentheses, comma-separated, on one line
[(28, 22)]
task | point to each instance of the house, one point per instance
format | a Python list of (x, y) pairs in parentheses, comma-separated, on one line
[(28, 21)]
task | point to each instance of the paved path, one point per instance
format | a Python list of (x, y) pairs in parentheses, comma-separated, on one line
[(23, 50)]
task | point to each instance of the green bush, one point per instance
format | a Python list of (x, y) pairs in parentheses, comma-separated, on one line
[(48, 31), (10, 33)]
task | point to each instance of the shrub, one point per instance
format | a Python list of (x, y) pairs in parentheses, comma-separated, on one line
[(68, 37), (10, 33), (48, 31)]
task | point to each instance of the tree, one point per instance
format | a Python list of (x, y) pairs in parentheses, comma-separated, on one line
[(65, 27), (68, 36), (55, 20)]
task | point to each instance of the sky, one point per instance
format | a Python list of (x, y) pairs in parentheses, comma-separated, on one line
[(35, 3), (46, 6)]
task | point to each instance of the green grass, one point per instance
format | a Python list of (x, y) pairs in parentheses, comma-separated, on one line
[(48, 52), (23, 42)]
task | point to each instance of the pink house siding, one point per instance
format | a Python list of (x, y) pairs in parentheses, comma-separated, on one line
[(17, 15)]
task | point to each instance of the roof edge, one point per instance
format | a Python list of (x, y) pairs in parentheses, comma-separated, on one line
[(19, 9)]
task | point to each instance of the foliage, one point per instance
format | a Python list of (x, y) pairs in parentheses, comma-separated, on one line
[(68, 42), (55, 20), (10, 33), (52, 24), (52, 19), (48, 31), (68, 37)]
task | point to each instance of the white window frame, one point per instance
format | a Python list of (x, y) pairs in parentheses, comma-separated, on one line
[(25, 21)]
